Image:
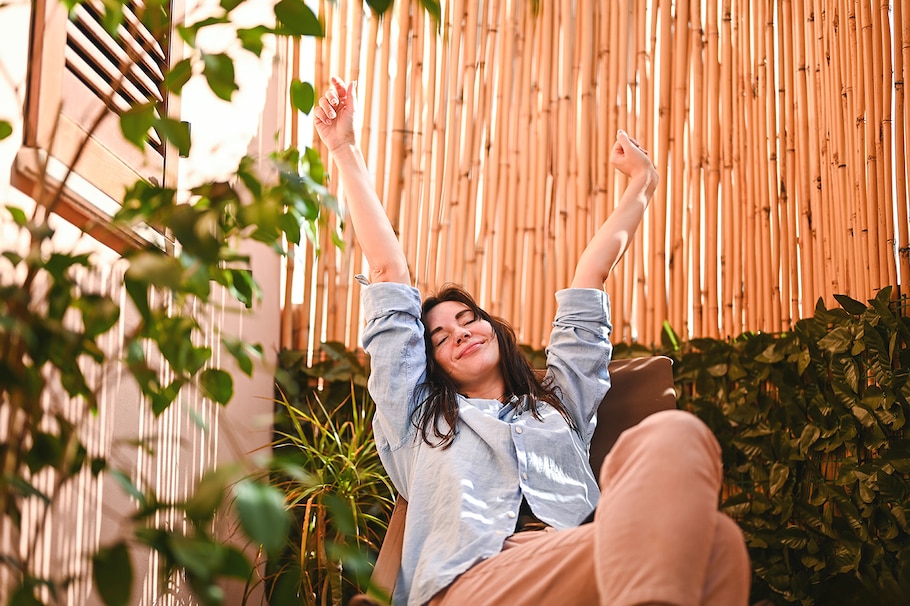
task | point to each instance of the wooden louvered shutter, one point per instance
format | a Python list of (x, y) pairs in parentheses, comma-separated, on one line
[(81, 77), (116, 73)]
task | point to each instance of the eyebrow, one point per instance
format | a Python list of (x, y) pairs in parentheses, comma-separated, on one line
[(458, 316)]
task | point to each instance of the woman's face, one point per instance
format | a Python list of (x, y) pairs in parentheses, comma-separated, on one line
[(466, 348)]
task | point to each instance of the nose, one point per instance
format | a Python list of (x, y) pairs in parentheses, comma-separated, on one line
[(463, 334)]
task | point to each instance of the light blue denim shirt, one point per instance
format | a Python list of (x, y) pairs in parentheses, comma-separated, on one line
[(463, 501)]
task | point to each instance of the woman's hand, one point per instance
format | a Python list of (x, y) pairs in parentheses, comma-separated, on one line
[(613, 238), (334, 114), (630, 158)]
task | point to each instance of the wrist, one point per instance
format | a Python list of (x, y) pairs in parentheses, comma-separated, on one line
[(344, 148), (646, 180)]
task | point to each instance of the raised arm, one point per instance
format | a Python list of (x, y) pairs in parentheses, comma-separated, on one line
[(613, 238), (334, 121)]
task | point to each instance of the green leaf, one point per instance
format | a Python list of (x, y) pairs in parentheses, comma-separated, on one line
[(241, 351), (297, 19), (112, 17), (6, 129), (229, 5), (235, 564), (243, 287), (251, 38), (209, 495), (302, 96), (176, 133), (779, 475), (432, 7), (379, 6), (808, 437), (152, 267), (200, 556), (290, 225), (217, 385), (262, 514), (136, 122), (177, 77), (99, 314), (836, 341), (851, 306), (129, 487), (218, 69), (113, 574), (18, 215), (24, 595)]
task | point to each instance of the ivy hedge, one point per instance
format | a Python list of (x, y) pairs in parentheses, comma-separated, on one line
[(811, 421)]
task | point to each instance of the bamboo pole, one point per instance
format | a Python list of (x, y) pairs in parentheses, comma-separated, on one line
[(338, 265), (873, 244), (748, 253), (697, 160), (789, 254), (542, 276), (519, 202), (659, 204), (828, 215), (288, 320), (727, 117), (823, 270), (400, 144), (440, 259), (710, 324), (464, 225), (490, 151), (617, 86), (641, 126), (901, 62), (851, 107), (886, 140), (430, 200), (507, 97), (612, 88), (584, 192), (803, 187), (774, 158), (675, 148), (413, 168)]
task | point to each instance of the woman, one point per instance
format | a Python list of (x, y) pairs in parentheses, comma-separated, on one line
[(493, 461)]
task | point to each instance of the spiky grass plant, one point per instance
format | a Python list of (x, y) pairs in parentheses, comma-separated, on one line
[(340, 496)]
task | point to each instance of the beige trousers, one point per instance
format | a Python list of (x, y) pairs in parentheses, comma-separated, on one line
[(657, 536)]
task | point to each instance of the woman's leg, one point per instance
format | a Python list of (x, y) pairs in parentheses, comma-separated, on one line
[(657, 520), (657, 536)]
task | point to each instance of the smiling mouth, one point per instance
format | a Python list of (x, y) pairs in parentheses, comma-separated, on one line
[(470, 349)]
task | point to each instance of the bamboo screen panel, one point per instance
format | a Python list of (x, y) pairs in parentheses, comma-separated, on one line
[(778, 129)]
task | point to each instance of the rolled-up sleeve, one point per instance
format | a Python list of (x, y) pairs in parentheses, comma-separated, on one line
[(393, 337), (579, 352)]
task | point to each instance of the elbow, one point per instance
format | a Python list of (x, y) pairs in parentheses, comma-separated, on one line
[(394, 272)]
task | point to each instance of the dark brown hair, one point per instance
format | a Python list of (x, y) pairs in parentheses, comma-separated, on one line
[(440, 391)]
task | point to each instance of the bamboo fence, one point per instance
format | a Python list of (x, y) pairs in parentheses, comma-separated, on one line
[(779, 130)]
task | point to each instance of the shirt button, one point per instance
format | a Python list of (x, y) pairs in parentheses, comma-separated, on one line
[(524, 475), (511, 514), (499, 532), (518, 430)]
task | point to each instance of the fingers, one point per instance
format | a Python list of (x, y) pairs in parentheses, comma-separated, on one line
[(333, 101), (625, 140)]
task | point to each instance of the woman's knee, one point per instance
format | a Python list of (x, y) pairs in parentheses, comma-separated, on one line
[(678, 428), (670, 438)]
